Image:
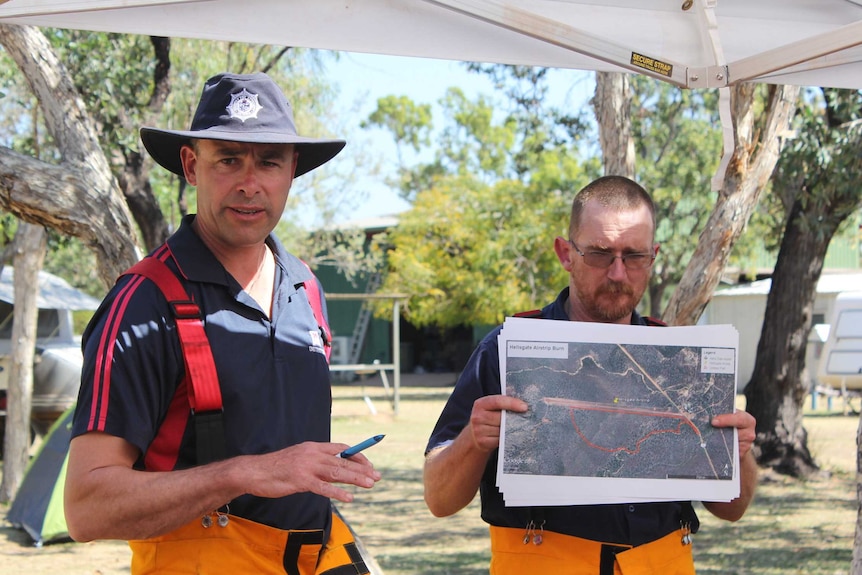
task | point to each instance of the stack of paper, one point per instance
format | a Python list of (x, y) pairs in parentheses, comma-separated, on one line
[(617, 413)]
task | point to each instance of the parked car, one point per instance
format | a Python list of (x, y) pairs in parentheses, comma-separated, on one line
[(57, 363)]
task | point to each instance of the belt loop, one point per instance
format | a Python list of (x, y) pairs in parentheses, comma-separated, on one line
[(295, 541), (608, 558), (291, 554)]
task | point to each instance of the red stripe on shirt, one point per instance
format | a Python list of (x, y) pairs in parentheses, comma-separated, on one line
[(105, 356), (105, 353), (163, 452)]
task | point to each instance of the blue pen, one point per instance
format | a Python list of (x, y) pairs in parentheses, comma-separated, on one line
[(350, 451)]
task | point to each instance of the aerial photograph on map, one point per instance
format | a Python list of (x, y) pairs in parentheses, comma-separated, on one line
[(621, 410)]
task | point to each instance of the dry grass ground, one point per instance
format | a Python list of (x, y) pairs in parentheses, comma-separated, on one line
[(793, 526)]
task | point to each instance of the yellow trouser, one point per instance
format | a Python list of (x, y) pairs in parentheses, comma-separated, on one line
[(244, 546), (561, 554)]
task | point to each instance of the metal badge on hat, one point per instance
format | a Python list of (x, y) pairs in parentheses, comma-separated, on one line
[(243, 105)]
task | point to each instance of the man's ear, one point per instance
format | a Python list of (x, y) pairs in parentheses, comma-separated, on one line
[(563, 248), (189, 160)]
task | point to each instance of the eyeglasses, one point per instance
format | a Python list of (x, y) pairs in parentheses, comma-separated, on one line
[(602, 260)]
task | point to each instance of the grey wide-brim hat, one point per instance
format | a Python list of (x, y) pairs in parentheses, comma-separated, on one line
[(240, 108)]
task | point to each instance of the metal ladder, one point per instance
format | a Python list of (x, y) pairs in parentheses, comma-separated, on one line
[(360, 330)]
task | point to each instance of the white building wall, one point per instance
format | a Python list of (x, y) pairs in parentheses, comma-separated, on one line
[(744, 307)]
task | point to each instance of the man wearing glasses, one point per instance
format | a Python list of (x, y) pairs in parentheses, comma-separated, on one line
[(609, 255)]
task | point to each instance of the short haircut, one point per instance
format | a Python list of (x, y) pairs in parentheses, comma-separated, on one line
[(615, 192)]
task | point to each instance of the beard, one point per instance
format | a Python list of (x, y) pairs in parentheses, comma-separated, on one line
[(610, 301)]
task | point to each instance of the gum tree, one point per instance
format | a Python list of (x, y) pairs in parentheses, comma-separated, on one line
[(817, 183)]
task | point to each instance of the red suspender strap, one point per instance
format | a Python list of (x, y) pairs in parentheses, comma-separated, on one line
[(534, 313), (312, 291), (202, 380), (204, 394)]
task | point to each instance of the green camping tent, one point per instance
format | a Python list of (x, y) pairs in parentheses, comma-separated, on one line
[(38, 506)]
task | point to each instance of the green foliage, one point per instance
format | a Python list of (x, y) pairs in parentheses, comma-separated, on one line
[(478, 241), (409, 123), (469, 252), (677, 152), (8, 227), (539, 126), (474, 143), (348, 250), (826, 130), (492, 139), (533, 151), (80, 320), (115, 95), (819, 169), (70, 259)]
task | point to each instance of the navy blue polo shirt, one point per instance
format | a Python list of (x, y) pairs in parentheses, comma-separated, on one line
[(629, 524), (273, 374)]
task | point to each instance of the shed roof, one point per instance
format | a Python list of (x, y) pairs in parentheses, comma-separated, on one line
[(828, 283), (54, 292)]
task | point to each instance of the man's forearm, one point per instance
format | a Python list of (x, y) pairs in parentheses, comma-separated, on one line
[(121, 503), (735, 509), (452, 475)]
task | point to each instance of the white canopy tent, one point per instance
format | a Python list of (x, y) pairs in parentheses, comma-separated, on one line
[(690, 43)]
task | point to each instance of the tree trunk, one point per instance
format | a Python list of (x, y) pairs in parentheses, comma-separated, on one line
[(80, 197), (134, 178), (656, 295), (856, 566), (135, 183), (85, 183), (748, 172), (30, 248), (776, 392), (612, 103)]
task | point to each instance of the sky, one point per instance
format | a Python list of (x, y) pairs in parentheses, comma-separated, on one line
[(363, 78)]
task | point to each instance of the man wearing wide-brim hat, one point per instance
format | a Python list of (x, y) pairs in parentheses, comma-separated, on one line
[(242, 483)]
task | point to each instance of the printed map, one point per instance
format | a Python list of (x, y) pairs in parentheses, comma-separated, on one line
[(611, 410)]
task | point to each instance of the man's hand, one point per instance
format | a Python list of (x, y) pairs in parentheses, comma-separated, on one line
[(312, 467), (744, 423), (452, 473), (486, 417)]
